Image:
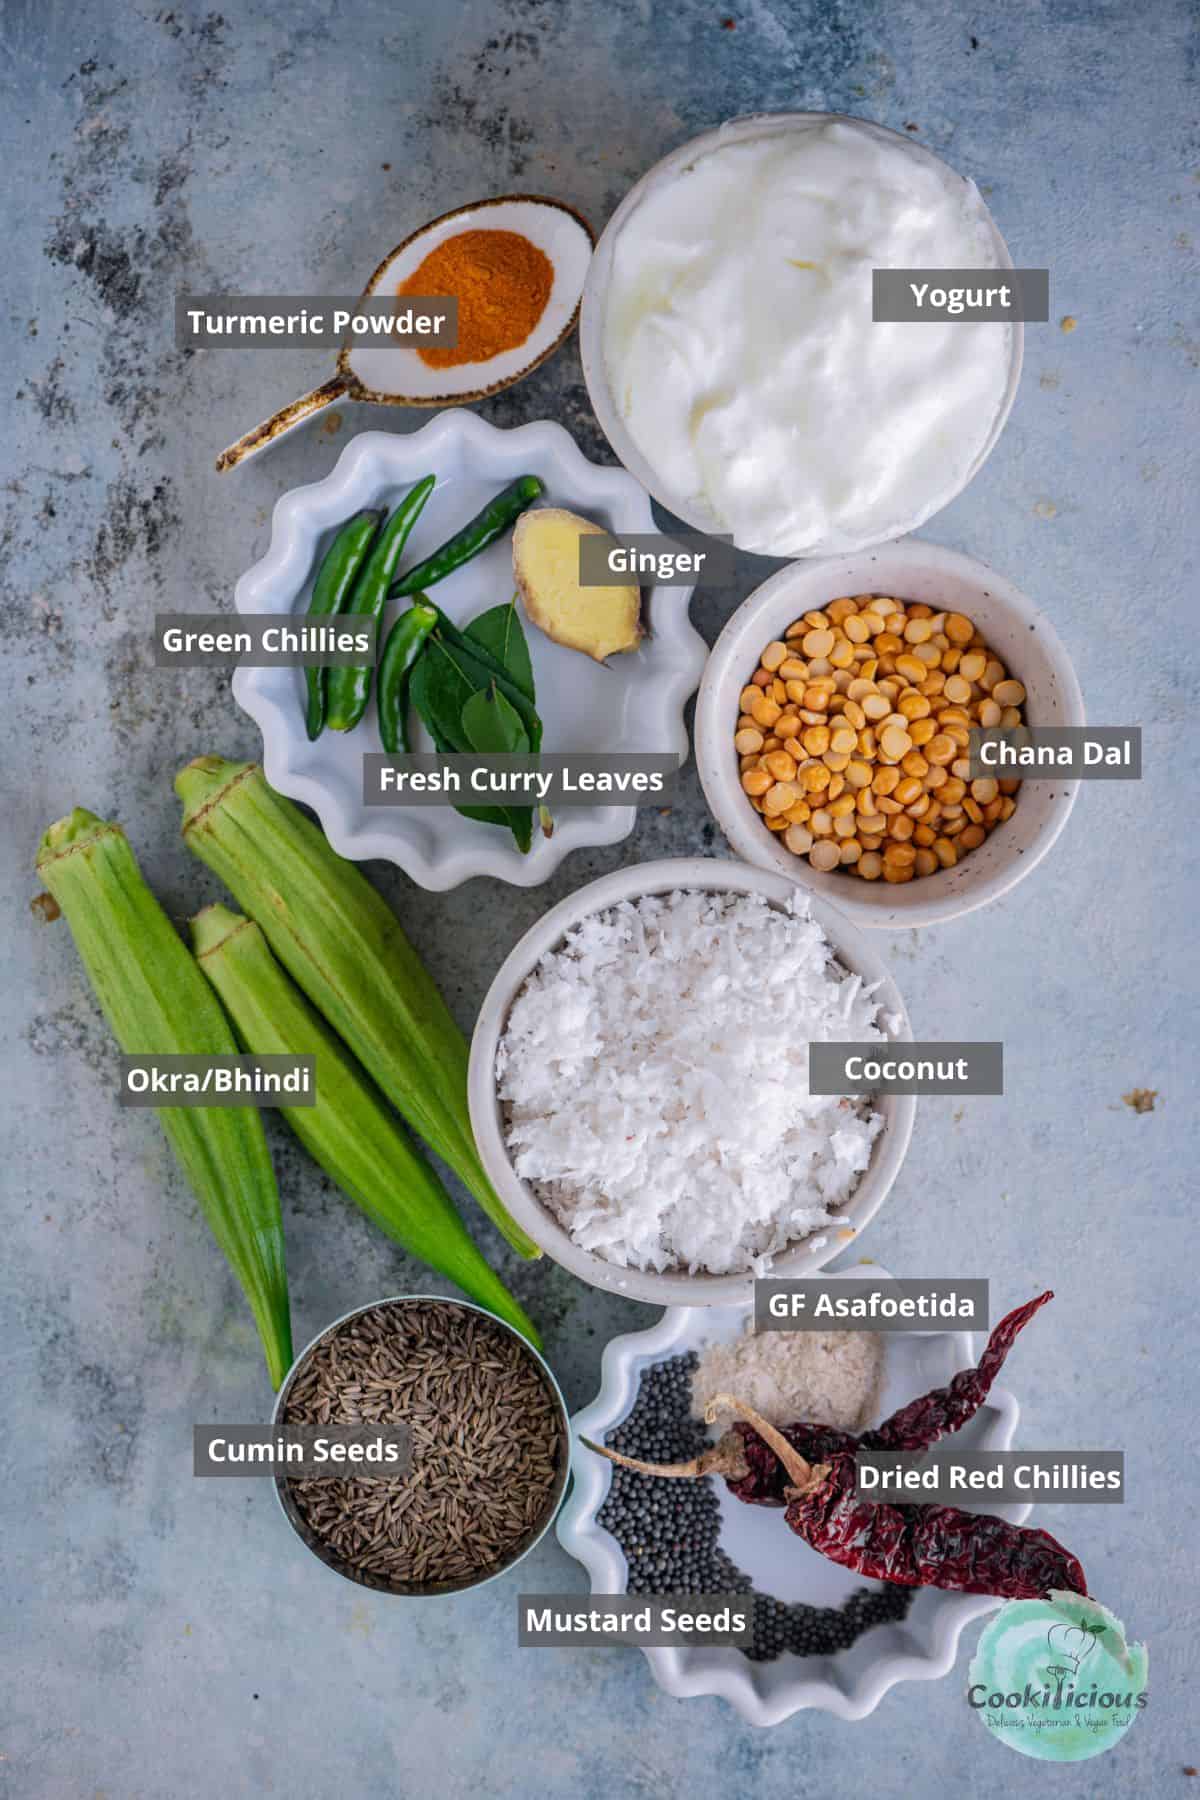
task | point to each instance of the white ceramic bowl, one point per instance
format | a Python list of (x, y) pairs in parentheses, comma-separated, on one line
[(853, 951), (851, 1684), (635, 702), (943, 579), (692, 508)]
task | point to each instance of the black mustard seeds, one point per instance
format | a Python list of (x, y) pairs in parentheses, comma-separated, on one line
[(670, 1530)]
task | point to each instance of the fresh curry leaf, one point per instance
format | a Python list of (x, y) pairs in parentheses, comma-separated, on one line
[(460, 698), (499, 631), (492, 726), (478, 666), (520, 823), (486, 815), (439, 697), (483, 815)]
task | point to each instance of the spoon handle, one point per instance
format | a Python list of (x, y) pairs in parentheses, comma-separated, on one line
[(282, 421)]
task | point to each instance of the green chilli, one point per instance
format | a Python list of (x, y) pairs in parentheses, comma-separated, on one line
[(495, 519), (336, 577), (349, 689), (404, 644)]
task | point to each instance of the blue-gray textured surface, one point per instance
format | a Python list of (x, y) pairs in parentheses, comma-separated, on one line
[(167, 1637)]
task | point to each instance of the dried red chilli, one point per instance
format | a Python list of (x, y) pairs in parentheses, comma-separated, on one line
[(922, 1422), (810, 1471)]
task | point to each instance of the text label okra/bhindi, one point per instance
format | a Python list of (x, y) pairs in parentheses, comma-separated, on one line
[(244, 1080)]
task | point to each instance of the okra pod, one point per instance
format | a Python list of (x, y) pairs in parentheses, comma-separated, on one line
[(343, 945), (158, 1003), (350, 1130)]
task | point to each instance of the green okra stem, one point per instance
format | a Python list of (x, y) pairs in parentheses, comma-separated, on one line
[(350, 1130), (157, 1003), (344, 946)]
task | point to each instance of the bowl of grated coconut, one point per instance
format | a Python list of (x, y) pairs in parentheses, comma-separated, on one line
[(638, 1082)]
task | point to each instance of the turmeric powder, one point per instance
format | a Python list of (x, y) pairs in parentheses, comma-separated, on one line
[(501, 282)]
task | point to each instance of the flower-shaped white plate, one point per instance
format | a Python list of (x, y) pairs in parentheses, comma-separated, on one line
[(633, 703), (922, 1647)]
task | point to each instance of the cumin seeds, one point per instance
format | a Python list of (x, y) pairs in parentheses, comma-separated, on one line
[(488, 1445)]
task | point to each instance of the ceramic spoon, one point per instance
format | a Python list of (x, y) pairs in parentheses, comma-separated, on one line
[(395, 375)]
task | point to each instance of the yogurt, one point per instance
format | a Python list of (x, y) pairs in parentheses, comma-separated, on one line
[(741, 353)]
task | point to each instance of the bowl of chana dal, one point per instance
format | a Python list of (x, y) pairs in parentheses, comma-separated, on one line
[(833, 723)]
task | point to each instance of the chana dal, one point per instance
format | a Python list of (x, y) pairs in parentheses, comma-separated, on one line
[(852, 737)]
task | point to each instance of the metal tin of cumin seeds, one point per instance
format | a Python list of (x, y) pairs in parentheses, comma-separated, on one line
[(520, 1533)]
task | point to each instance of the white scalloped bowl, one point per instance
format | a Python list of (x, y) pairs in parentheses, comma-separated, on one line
[(635, 702), (851, 1684)]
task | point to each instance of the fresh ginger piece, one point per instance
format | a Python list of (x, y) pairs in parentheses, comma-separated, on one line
[(599, 621)]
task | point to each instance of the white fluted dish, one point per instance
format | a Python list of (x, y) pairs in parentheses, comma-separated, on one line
[(922, 1647), (634, 702)]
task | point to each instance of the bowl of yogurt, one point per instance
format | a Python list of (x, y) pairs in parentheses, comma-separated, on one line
[(729, 348)]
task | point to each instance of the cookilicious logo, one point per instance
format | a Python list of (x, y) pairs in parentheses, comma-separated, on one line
[(1056, 1679)]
